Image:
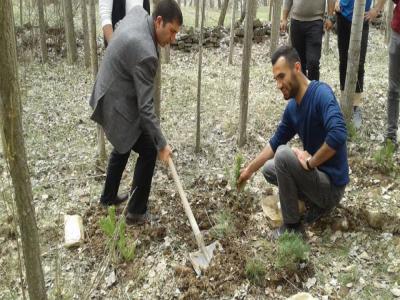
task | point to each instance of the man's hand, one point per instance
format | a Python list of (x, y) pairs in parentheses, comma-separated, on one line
[(284, 25), (245, 175), (371, 14), (337, 6), (328, 25), (164, 154), (302, 156)]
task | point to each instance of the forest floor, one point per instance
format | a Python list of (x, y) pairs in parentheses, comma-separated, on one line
[(357, 261)]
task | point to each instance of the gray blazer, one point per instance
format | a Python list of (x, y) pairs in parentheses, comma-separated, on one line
[(122, 97)]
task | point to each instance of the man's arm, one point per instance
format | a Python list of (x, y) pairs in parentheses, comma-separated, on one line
[(105, 11), (266, 154), (287, 5), (330, 18), (373, 12), (322, 155)]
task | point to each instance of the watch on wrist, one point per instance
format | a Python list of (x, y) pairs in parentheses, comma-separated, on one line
[(331, 18), (308, 163)]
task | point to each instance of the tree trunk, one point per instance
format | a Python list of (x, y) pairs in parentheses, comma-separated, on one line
[(86, 44), (14, 152), (271, 5), (353, 60), (101, 143), (223, 13), (203, 8), (389, 17), (275, 25), (21, 10), (211, 3), (327, 33), (42, 29), (219, 4), (244, 83), (72, 52), (166, 53), (157, 92), (196, 18), (232, 33)]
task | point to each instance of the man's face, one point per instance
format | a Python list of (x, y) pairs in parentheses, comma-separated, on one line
[(166, 32), (286, 77)]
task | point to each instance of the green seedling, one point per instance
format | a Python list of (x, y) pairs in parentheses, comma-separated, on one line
[(116, 232), (255, 271), (236, 171), (384, 158), (291, 250), (223, 224)]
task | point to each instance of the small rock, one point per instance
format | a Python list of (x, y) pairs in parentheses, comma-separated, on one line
[(395, 292), (111, 279), (301, 296)]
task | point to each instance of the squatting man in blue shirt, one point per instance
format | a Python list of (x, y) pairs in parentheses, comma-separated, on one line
[(319, 173)]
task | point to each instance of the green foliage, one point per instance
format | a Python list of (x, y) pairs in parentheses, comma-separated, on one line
[(255, 271), (384, 158), (116, 232), (223, 224), (349, 277), (291, 250), (236, 170), (352, 132)]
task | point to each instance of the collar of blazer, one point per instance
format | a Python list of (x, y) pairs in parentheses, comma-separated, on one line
[(150, 22)]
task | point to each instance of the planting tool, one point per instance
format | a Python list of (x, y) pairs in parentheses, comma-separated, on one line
[(202, 258)]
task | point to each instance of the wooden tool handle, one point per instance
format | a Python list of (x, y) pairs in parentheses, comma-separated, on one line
[(188, 210)]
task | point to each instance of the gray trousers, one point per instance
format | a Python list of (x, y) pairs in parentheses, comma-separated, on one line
[(394, 86), (294, 183)]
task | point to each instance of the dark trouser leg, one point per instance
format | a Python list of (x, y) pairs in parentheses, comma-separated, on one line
[(116, 165), (293, 180), (343, 33), (143, 175), (298, 42), (313, 41), (363, 54), (394, 87)]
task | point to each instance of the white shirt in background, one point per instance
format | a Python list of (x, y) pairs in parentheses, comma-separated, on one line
[(105, 9)]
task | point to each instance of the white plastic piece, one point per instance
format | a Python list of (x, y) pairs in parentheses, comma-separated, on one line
[(73, 230)]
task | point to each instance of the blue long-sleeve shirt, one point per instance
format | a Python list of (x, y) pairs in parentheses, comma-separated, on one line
[(316, 120)]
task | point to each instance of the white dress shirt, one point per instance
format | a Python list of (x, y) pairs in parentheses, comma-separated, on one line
[(105, 9)]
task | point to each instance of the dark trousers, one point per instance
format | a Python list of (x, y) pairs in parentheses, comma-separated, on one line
[(343, 33), (306, 37), (142, 177)]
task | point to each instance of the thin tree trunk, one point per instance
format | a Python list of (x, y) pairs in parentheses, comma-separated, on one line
[(42, 29), (157, 92), (232, 33), (14, 152), (21, 10), (211, 3), (244, 83), (223, 13), (101, 144), (275, 25), (219, 4), (353, 60), (389, 17), (72, 51), (199, 77), (196, 18), (86, 43), (271, 5), (166, 54), (327, 32)]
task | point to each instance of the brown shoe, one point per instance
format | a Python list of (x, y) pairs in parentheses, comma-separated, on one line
[(118, 200), (138, 219)]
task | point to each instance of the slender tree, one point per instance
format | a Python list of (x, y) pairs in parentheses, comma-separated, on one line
[(196, 18), (21, 10), (271, 5), (86, 43), (244, 83), (275, 25), (389, 17), (353, 60), (42, 29), (222, 15), (232, 33), (72, 51), (157, 81), (203, 8), (327, 32), (14, 151)]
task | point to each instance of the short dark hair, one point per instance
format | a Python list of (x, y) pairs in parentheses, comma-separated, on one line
[(169, 10), (288, 52)]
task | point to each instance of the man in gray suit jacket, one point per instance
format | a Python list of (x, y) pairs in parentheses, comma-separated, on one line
[(122, 101)]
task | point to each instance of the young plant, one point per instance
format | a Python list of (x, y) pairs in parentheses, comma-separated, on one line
[(223, 224), (116, 232), (236, 171), (291, 250), (384, 158), (255, 271)]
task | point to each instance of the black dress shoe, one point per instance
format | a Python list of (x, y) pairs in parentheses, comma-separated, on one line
[(139, 219), (116, 201)]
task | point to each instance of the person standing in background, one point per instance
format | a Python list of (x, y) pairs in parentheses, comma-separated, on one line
[(112, 11)]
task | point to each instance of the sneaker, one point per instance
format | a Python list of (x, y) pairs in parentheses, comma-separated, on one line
[(357, 117), (297, 229), (116, 201), (138, 219)]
